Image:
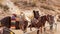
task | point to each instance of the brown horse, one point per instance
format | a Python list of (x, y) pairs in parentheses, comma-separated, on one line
[(6, 21), (23, 24), (38, 23), (41, 22), (50, 20)]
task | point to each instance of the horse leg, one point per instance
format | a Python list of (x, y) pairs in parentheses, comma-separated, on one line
[(30, 28), (55, 26), (25, 28), (51, 26), (25, 31), (20, 27), (44, 29), (37, 31), (41, 29)]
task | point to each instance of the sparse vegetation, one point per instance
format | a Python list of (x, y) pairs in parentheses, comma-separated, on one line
[(24, 3), (42, 1), (4, 7), (48, 8)]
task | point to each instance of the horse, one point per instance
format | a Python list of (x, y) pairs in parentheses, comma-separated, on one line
[(38, 23), (50, 20), (23, 23), (6, 21), (41, 22)]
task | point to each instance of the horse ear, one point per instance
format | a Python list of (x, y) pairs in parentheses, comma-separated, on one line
[(34, 11)]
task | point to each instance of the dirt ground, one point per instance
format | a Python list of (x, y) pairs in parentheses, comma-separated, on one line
[(34, 31)]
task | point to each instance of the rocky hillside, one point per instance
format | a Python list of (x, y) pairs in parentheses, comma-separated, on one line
[(46, 6), (42, 5)]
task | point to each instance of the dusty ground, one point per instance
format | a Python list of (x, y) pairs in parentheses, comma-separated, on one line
[(54, 31)]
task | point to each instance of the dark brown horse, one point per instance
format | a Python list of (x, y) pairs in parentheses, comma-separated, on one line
[(41, 22), (50, 20), (38, 23), (6, 21)]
